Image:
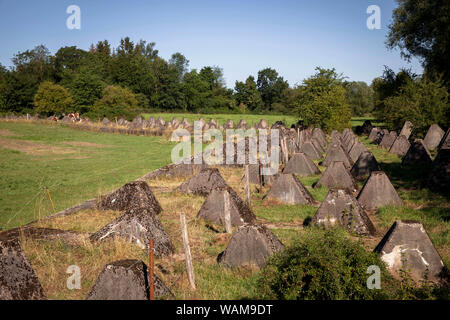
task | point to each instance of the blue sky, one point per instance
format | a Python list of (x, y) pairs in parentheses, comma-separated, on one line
[(241, 37)]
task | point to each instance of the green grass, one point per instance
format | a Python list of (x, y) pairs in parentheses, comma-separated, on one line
[(222, 118), (71, 178), (88, 171)]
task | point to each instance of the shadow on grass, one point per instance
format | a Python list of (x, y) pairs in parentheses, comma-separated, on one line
[(411, 178)]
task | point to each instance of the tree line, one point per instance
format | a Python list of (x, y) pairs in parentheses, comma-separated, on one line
[(84, 80), (133, 78)]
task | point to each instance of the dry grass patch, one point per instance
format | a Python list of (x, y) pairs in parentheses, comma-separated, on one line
[(33, 148), (83, 221), (6, 133), (86, 144)]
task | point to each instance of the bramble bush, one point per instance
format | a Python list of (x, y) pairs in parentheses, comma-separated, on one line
[(322, 265)]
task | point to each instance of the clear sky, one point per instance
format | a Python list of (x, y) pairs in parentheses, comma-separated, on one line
[(240, 36)]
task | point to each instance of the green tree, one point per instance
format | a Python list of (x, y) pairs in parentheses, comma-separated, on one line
[(248, 95), (421, 29), (360, 97), (86, 88), (271, 86), (31, 67), (322, 101), (52, 98), (388, 85), (421, 101), (116, 102), (67, 61)]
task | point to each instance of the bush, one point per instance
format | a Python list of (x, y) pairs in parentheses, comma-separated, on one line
[(52, 98), (322, 101), (423, 102), (322, 265), (116, 102)]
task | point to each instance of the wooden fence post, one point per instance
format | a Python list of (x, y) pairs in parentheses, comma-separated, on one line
[(150, 267), (247, 184), (227, 214), (187, 250)]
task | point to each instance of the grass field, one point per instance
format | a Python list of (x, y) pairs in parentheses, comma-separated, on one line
[(75, 165), (79, 165)]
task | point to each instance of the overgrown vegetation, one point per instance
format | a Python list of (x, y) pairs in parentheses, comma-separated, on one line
[(322, 101), (405, 96), (322, 265)]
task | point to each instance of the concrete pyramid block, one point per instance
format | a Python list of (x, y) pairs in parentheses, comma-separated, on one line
[(251, 244), (433, 137), (438, 178), (407, 129), (335, 152), (356, 150), (317, 145), (378, 192), (337, 176), (445, 141), (301, 165), (407, 246), (365, 164), (126, 280), (341, 208), (263, 124), (137, 226), (203, 182), (373, 133), (320, 136), (160, 122), (213, 209), (288, 189), (310, 151), (132, 196), (417, 154), (400, 146), (242, 125), (18, 281), (380, 135), (336, 135), (388, 140), (349, 143)]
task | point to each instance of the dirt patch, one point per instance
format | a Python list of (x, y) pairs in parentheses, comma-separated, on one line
[(6, 133), (32, 148), (86, 144)]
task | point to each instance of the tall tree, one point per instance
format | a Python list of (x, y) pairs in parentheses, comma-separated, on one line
[(323, 103), (248, 96), (271, 86), (421, 28)]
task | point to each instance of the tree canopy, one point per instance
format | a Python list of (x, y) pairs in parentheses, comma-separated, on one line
[(421, 29)]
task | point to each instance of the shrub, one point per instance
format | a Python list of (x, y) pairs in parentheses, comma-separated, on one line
[(322, 101), (116, 102), (423, 102), (322, 265), (52, 98)]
